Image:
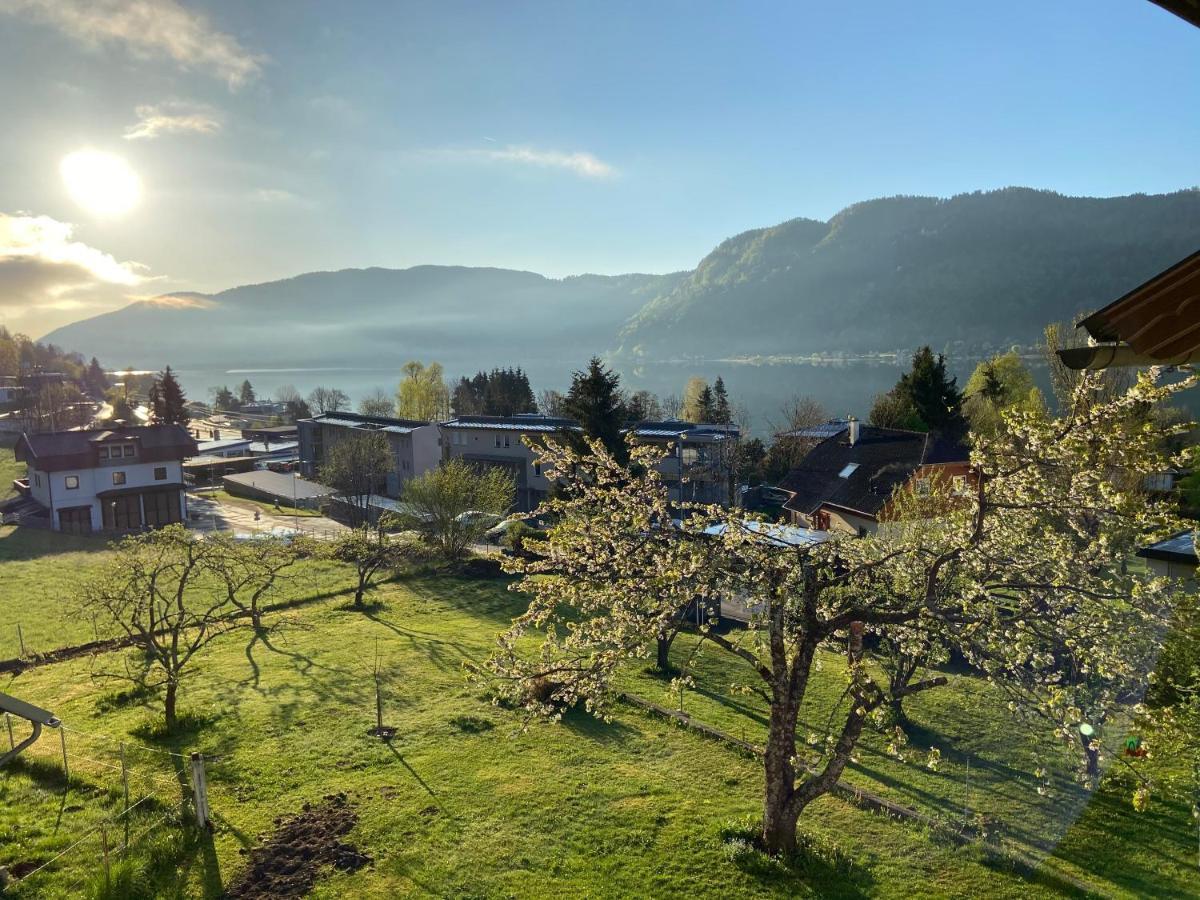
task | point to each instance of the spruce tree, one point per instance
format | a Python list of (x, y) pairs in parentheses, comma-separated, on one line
[(246, 393), (722, 414), (595, 401), (168, 406)]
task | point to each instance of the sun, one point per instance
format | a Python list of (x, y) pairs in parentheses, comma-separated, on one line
[(102, 183)]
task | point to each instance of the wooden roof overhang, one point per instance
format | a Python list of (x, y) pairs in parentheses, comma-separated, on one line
[(1188, 10), (1157, 323)]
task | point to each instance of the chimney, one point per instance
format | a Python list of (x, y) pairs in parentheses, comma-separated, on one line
[(853, 429)]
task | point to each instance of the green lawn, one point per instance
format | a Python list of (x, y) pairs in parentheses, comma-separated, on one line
[(266, 508), (463, 804), (9, 467)]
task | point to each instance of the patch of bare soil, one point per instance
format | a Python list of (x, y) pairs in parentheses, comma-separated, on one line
[(292, 857)]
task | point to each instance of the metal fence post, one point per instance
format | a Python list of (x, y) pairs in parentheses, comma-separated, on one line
[(21, 638), (12, 745), (62, 734), (200, 790)]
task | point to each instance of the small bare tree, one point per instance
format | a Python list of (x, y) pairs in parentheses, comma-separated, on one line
[(455, 504), (373, 554), (154, 589), (357, 466), (252, 570)]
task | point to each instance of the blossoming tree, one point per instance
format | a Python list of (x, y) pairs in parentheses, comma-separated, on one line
[(1020, 570)]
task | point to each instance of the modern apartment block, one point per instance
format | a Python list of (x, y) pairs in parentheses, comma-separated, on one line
[(414, 445)]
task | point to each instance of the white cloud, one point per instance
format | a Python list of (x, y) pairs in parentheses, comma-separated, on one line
[(45, 274), (276, 195), (149, 28), (583, 164), (173, 117)]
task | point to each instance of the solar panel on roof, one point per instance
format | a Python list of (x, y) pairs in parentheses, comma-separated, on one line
[(824, 430)]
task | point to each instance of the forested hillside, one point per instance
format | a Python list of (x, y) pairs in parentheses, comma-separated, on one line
[(984, 269)]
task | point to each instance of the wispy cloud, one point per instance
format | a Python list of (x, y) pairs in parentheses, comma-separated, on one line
[(43, 269), (173, 117), (585, 165), (277, 195), (148, 28)]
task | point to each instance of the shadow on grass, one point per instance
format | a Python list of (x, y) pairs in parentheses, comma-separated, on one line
[(816, 861), (584, 724), (21, 544)]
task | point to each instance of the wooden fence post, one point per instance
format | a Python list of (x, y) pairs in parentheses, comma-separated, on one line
[(12, 745), (62, 734), (125, 791), (200, 790), (104, 848), (21, 639)]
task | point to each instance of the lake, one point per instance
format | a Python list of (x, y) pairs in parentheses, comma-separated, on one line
[(764, 389)]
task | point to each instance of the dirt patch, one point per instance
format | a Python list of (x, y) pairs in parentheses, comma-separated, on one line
[(292, 857)]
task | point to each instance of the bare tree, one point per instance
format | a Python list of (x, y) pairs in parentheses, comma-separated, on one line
[(373, 554), (357, 466), (153, 589), (252, 570), (327, 400)]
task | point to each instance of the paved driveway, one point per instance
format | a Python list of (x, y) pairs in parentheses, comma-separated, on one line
[(206, 514)]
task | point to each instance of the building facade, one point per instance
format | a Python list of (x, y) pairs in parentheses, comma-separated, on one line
[(118, 480), (502, 441), (701, 464), (414, 445)]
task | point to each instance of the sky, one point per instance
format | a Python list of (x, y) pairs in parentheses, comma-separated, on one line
[(155, 147)]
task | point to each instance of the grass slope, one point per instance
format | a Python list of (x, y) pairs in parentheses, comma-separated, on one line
[(461, 804)]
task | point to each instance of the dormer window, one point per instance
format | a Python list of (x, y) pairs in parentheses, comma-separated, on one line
[(104, 453)]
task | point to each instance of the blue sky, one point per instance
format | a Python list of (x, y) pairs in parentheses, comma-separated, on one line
[(277, 137)]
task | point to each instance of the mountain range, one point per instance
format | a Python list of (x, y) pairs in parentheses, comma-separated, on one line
[(979, 270)]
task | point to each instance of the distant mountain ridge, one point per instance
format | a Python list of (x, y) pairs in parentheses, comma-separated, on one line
[(977, 269), (986, 269)]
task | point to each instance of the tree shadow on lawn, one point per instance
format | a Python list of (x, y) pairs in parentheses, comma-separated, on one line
[(431, 646), (22, 544), (581, 722), (485, 600)]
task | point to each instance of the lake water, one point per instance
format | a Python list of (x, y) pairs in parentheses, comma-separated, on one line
[(846, 387)]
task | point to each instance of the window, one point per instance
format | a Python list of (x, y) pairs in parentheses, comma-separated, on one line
[(71, 482), (160, 473), (104, 453), (923, 486), (37, 480), (537, 469), (848, 470), (506, 440), (130, 450), (118, 477), (497, 440)]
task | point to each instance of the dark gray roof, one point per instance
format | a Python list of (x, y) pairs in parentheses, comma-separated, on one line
[(1177, 548), (531, 422), (74, 449), (862, 477), (368, 423), (279, 484), (689, 431)]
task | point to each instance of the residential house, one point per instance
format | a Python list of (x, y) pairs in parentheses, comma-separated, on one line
[(846, 481), (701, 465), (120, 479), (414, 445), (1174, 557), (488, 441)]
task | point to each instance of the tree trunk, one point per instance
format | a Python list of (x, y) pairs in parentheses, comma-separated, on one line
[(664, 652), (359, 591), (779, 820), (169, 706)]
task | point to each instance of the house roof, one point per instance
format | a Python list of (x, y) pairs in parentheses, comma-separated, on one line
[(862, 477), (205, 447), (821, 431), (686, 431), (531, 422), (1179, 548), (368, 423), (279, 484), (1156, 322), (54, 451)]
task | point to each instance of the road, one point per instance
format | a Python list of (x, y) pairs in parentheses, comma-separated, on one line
[(206, 514)]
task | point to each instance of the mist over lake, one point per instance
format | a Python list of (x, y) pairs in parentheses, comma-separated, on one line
[(763, 389)]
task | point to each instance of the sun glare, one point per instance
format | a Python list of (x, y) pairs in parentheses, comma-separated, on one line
[(101, 183)]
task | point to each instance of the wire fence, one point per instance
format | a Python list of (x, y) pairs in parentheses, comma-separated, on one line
[(111, 795)]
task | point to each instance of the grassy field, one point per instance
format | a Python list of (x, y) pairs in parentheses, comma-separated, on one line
[(9, 467), (266, 508), (463, 804)]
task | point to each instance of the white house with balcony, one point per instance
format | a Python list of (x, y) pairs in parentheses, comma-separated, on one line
[(123, 479)]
